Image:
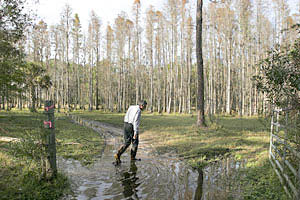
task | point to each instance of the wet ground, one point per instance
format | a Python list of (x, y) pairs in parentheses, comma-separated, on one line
[(154, 177), (221, 180)]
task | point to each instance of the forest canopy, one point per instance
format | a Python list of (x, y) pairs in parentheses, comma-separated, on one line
[(145, 54)]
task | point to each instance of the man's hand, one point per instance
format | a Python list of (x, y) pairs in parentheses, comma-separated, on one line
[(135, 136)]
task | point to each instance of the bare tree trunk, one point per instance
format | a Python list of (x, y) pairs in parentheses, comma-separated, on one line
[(182, 63), (228, 110), (33, 98), (200, 94), (189, 80), (68, 14), (97, 75), (137, 48), (189, 62), (91, 85)]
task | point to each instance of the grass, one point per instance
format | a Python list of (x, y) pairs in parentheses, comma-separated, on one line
[(23, 170), (239, 138), (77, 142)]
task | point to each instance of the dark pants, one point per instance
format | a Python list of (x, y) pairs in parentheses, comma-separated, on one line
[(128, 139)]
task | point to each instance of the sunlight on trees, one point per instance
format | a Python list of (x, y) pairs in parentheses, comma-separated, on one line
[(151, 56)]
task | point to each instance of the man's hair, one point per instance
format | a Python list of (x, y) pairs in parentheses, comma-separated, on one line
[(142, 103)]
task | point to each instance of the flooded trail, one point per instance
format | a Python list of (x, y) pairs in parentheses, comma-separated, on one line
[(154, 177)]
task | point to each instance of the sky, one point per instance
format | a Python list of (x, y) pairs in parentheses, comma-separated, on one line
[(107, 10)]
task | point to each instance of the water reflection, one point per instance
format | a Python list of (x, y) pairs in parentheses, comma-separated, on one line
[(198, 192), (129, 180), (221, 180)]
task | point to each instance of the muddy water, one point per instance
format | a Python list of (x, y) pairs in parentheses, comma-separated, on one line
[(221, 180), (154, 177)]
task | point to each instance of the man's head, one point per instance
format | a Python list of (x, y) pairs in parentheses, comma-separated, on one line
[(142, 104)]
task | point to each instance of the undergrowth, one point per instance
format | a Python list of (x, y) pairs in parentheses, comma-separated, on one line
[(20, 157)]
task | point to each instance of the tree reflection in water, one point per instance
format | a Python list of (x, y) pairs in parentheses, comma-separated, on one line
[(198, 193)]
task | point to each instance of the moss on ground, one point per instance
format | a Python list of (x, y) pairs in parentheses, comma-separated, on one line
[(241, 138), (73, 141)]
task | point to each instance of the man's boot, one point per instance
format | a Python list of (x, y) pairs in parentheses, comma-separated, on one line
[(132, 156), (117, 157)]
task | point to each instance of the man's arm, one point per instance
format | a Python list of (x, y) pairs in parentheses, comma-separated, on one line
[(136, 124)]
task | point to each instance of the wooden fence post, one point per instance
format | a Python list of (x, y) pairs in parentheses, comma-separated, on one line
[(271, 134), (50, 136), (298, 186)]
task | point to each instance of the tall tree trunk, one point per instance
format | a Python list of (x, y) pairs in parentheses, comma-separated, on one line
[(33, 99), (20, 104), (97, 77), (91, 87), (228, 86), (3, 99), (200, 95)]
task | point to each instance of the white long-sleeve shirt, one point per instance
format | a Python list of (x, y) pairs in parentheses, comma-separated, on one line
[(133, 116)]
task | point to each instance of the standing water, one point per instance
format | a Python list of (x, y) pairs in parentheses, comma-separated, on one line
[(154, 177), (221, 180)]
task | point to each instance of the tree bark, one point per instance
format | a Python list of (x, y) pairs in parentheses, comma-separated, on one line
[(200, 94)]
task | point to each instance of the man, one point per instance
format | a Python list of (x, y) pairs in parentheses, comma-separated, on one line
[(131, 130)]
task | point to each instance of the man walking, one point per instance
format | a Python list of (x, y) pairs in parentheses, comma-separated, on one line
[(131, 130)]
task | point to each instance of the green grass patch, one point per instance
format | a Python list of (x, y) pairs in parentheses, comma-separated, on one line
[(77, 142), (20, 173), (261, 182)]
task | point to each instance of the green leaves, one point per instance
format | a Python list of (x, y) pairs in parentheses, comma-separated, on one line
[(35, 75), (279, 75), (13, 22)]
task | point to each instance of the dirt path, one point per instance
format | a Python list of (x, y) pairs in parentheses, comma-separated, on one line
[(155, 177)]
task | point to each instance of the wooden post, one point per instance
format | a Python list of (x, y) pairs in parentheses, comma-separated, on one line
[(271, 135), (50, 136), (298, 197)]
